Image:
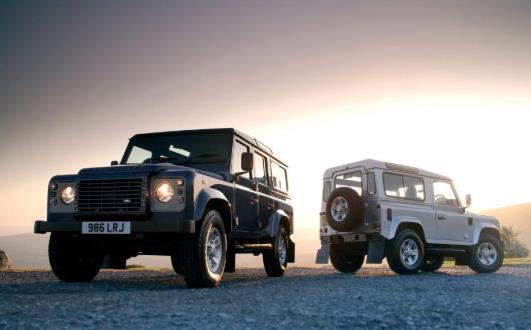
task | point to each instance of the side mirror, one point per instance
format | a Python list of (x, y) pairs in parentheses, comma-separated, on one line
[(247, 161), (468, 200), (114, 163)]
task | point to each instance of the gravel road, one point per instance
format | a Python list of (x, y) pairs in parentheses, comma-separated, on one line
[(304, 298)]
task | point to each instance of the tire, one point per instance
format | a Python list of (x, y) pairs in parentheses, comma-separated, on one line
[(344, 259), (405, 253), (203, 267), (432, 264), (487, 255), (276, 259), (344, 209), (71, 260)]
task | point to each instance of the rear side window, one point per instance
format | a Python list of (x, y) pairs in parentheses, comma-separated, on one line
[(351, 180), (279, 177), (403, 186), (371, 183)]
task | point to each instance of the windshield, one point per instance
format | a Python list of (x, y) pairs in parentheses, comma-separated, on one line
[(182, 149)]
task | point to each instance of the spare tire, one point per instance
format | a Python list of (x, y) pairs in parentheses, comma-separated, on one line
[(344, 209)]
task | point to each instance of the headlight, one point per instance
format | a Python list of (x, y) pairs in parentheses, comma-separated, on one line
[(68, 194), (164, 192)]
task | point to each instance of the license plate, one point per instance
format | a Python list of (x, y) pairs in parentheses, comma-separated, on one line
[(107, 227)]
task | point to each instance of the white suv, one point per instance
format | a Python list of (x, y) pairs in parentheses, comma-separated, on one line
[(412, 217)]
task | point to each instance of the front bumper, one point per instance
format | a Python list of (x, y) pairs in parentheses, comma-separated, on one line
[(151, 226)]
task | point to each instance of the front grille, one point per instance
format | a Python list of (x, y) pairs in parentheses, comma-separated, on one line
[(110, 196)]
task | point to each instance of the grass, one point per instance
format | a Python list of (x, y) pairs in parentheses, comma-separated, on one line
[(450, 262), (517, 261)]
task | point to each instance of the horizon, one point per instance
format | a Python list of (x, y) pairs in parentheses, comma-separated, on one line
[(320, 84)]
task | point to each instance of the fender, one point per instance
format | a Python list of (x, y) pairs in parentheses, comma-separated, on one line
[(397, 221), (202, 199), (274, 223), (480, 227)]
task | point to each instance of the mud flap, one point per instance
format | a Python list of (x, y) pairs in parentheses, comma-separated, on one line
[(111, 261), (323, 254), (291, 251), (376, 251), (230, 263)]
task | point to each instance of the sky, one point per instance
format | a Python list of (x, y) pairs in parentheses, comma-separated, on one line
[(441, 85)]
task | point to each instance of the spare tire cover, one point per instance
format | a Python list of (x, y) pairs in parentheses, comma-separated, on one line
[(344, 209)]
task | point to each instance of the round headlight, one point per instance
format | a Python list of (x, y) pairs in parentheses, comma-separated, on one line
[(164, 192), (68, 194)]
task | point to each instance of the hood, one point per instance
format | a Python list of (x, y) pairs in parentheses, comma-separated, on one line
[(148, 168), (152, 169), (485, 218)]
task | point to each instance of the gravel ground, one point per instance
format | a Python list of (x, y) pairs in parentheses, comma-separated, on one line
[(304, 298)]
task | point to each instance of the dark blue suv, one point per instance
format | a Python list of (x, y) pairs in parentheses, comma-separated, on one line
[(199, 196)]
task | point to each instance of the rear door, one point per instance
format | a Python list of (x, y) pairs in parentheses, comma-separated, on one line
[(452, 223)]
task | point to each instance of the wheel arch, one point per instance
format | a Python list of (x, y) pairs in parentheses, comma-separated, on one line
[(406, 223), (212, 199), (486, 229), (279, 218)]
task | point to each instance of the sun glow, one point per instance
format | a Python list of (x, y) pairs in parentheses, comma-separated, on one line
[(479, 144)]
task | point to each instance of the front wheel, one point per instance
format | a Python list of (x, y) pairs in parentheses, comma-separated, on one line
[(344, 260), (276, 259), (204, 254), (405, 253), (487, 255), (72, 260)]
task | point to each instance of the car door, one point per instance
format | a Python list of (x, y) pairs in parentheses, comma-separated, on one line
[(452, 223), (245, 203), (266, 204)]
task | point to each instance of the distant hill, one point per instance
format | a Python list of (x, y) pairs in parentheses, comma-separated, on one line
[(31, 251), (516, 216)]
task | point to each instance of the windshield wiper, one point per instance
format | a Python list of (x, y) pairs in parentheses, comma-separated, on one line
[(161, 159), (204, 158)]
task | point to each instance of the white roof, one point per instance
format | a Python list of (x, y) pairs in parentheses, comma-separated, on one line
[(371, 163)]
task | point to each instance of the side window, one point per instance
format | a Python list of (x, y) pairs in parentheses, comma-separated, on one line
[(279, 177), (414, 188), (403, 186), (260, 168), (351, 180), (327, 188), (237, 150), (444, 194), (371, 183)]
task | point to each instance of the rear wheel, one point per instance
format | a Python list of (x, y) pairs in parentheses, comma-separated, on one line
[(432, 264), (344, 259), (487, 255), (276, 259), (405, 253), (204, 254), (73, 260)]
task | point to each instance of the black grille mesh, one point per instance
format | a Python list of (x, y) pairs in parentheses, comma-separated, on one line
[(104, 196)]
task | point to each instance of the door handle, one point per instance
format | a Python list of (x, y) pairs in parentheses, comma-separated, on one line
[(254, 201), (270, 206), (441, 217)]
